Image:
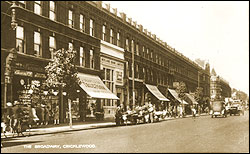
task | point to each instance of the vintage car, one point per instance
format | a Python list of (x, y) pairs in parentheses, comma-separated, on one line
[(236, 108), (218, 109)]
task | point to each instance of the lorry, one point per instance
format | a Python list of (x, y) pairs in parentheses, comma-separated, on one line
[(218, 109), (236, 107)]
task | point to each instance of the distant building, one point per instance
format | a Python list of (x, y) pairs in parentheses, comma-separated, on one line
[(219, 87)]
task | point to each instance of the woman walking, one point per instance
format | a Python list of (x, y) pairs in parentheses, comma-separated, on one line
[(56, 116)]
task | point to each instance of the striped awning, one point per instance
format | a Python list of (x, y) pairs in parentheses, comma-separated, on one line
[(155, 91), (175, 95), (191, 98), (94, 87)]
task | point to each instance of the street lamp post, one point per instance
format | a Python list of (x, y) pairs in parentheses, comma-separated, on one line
[(133, 73)]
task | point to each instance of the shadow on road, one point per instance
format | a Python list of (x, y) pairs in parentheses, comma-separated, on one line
[(9, 142)]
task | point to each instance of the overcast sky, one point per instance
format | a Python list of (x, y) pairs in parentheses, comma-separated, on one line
[(213, 31)]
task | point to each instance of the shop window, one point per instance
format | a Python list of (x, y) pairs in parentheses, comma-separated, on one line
[(82, 57), (37, 7), (91, 27), (103, 32), (52, 12), (82, 23), (70, 19), (108, 74), (109, 82), (20, 43), (52, 46), (37, 44)]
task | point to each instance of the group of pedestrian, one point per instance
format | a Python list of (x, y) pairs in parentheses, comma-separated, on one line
[(18, 115)]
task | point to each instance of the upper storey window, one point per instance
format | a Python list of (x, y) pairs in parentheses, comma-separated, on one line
[(118, 40), (21, 3), (71, 22), (127, 44), (112, 36), (52, 46), (82, 21), (103, 32), (52, 12), (91, 27), (20, 39), (37, 7), (37, 44)]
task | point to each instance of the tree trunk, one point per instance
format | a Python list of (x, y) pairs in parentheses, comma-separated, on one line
[(70, 115)]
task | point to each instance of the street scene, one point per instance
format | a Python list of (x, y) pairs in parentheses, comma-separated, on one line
[(201, 134), (97, 76)]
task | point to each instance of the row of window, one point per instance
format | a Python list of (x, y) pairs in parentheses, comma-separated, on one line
[(129, 46), (20, 46), (52, 15)]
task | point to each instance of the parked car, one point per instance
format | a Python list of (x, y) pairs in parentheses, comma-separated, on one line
[(236, 108), (218, 109)]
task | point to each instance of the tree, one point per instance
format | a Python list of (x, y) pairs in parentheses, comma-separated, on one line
[(198, 95), (62, 73), (181, 89)]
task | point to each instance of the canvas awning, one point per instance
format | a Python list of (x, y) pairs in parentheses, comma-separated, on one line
[(94, 87), (175, 95), (191, 98), (155, 91)]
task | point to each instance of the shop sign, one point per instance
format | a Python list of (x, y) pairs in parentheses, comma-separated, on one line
[(23, 73), (111, 63), (119, 78), (40, 75), (30, 67)]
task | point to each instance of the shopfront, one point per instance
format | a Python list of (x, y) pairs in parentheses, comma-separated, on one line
[(160, 98), (26, 85), (176, 100), (95, 91), (112, 64)]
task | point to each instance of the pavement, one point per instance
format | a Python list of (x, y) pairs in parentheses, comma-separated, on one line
[(52, 129)]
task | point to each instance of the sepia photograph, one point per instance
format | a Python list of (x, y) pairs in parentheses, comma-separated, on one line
[(125, 76)]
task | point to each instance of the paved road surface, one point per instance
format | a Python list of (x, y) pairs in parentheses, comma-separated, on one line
[(203, 134)]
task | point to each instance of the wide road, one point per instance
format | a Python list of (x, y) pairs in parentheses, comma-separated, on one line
[(203, 134)]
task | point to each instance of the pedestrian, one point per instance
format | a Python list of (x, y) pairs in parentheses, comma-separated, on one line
[(151, 112), (56, 115), (46, 115), (33, 117), (39, 114), (193, 111), (181, 111), (118, 116), (42, 114)]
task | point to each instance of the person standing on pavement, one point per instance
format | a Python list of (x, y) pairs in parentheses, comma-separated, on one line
[(46, 115), (56, 115), (193, 111), (33, 117), (151, 110), (181, 111)]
